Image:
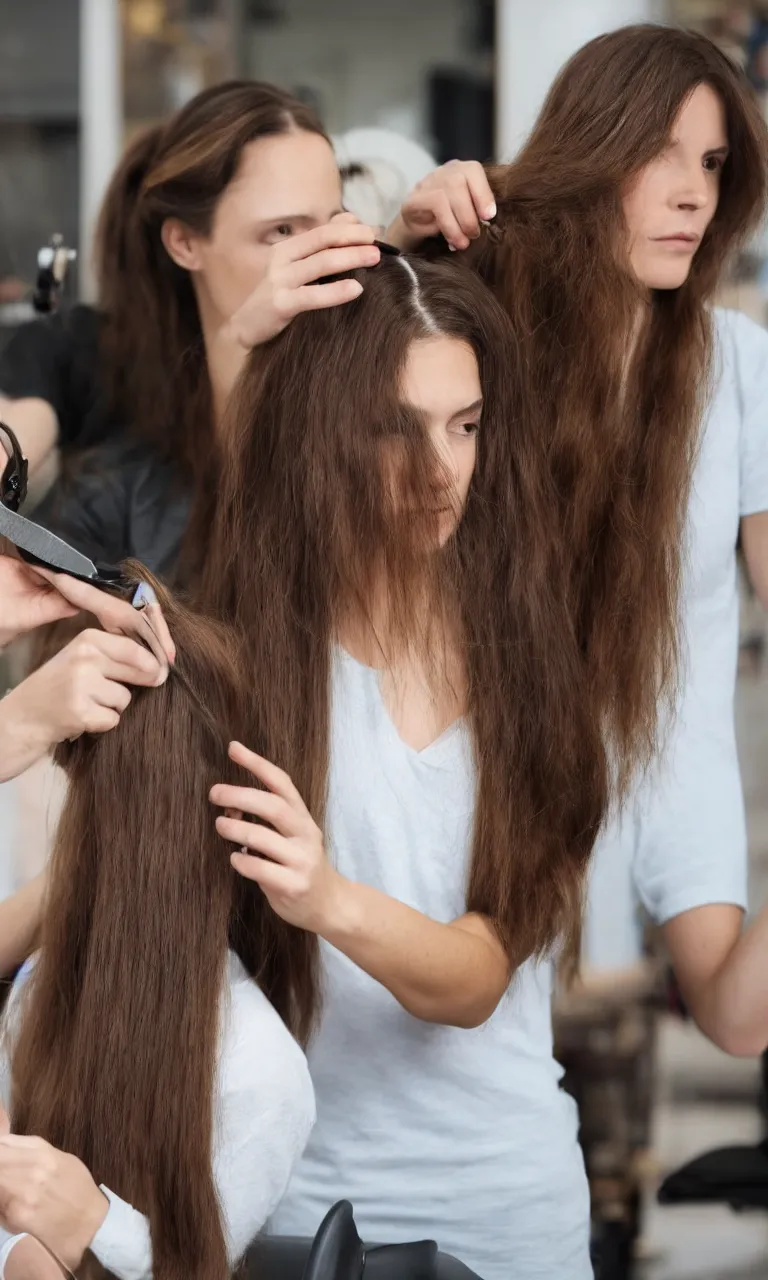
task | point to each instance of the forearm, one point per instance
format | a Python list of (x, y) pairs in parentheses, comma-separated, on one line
[(19, 924), (36, 425), (23, 740), (453, 974)]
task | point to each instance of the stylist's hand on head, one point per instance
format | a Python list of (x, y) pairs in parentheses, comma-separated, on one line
[(49, 1194), (452, 202), (290, 865), (289, 284)]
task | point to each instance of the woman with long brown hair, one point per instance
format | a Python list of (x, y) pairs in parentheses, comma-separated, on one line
[(214, 226), (645, 171), (418, 701), (157, 1099)]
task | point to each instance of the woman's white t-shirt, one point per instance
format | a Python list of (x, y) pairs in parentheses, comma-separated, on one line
[(462, 1136), (466, 1136)]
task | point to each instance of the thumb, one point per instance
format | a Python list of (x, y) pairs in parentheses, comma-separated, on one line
[(5, 1123)]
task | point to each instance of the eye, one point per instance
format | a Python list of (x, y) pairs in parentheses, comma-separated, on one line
[(713, 164), (468, 428), (283, 231)]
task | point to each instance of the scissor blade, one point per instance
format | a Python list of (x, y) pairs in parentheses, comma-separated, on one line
[(44, 546)]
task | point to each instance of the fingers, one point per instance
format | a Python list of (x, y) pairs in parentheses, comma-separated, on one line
[(331, 262), (260, 804), (337, 234), (472, 173), (257, 838), (439, 203), (5, 1123), (116, 657), (114, 614), (270, 876), (318, 297), (273, 779)]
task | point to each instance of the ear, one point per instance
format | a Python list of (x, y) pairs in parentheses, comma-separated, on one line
[(181, 244)]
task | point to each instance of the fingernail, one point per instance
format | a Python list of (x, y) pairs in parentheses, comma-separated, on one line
[(452, 247), (144, 595), (491, 211)]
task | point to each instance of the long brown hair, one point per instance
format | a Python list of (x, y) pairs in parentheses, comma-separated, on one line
[(316, 414), (155, 366), (116, 1054), (617, 407)]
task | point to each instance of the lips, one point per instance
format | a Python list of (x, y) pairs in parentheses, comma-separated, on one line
[(687, 239)]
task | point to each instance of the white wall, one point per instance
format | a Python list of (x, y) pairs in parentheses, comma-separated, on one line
[(533, 40), (368, 61)]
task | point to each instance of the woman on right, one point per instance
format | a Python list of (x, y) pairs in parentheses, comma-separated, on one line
[(645, 171)]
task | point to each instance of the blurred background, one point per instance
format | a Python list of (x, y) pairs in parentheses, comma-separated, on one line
[(403, 85)]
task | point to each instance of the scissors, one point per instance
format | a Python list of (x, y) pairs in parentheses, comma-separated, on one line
[(40, 547)]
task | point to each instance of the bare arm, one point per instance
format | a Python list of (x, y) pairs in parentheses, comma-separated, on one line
[(454, 974), (754, 539), (723, 974), (36, 425)]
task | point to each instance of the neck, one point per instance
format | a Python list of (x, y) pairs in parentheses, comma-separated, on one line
[(225, 357)]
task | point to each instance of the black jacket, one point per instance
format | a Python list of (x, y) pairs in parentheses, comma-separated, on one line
[(117, 500), (120, 502)]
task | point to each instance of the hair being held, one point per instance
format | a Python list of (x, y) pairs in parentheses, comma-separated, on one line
[(613, 378), (116, 1056)]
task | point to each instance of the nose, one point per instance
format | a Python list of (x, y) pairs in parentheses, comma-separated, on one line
[(692, 191)]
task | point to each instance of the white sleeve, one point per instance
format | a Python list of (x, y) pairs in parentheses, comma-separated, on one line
[(262, 1122), (691, 844), (751, 362), (263, 1117), (266, 1116)]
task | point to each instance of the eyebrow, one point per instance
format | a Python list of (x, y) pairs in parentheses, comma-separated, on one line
[(292, 217), (471, 408), (718, 151)]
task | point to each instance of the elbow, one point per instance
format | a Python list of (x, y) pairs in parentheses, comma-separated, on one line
[(739, 1038), (464, 1016), (740, 1042)]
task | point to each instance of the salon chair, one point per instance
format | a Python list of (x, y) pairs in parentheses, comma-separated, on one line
[(338, 1253), (736, 1176)]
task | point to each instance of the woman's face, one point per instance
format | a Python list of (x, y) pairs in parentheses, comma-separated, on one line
[(284, 184), (670, 203), (441, 382)]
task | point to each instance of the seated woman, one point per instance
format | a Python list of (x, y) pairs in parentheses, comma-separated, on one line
[(158, 1101)]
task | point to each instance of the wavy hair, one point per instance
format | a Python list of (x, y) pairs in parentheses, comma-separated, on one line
[(614, 379)]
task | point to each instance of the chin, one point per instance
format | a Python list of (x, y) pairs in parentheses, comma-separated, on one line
[(666, 275)]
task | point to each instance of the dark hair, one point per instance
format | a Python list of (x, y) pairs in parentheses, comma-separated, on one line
[(155, 363), (612, 381), (316, 419), (116, 1054)]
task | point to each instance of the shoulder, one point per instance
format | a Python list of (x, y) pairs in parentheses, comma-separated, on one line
[(741, 342)]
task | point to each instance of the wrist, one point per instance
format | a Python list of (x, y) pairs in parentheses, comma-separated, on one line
[(24, 735), (90, 1221), (342, 918)]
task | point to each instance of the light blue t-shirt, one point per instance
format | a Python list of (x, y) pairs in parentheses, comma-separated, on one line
[(462, 1136)]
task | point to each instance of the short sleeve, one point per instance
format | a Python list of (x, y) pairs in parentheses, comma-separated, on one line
[(691, 843), (750, 353)]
